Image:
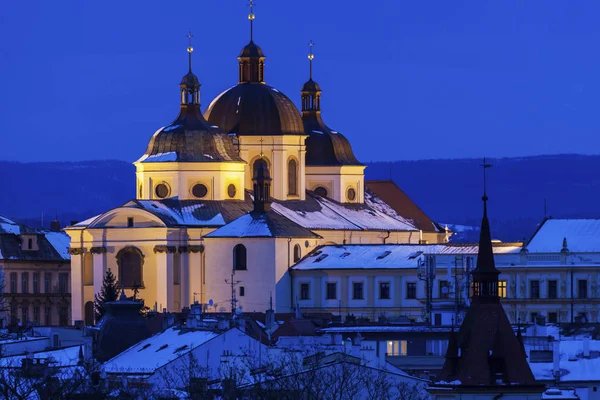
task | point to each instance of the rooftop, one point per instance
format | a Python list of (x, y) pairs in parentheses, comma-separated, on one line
[(583, 236)]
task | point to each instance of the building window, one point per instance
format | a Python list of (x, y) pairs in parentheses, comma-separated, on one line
[(199, 191), (36, 282), (29, 244), (292, 177), (582, 289), (357, 291), (411, 290), (304, 291), (13, 282), (553, 317), (63, 282), (63, 315), (231, 190), (36, 315), (48, 316), (351, 194), (396, 348), (242, 291), (436, 347), (552, 289), (533, 316), (25, 282), (321, 191), (331, 293), (47, 282), (162, 190), (444, 290), (384, 290), (24, 315), (502, 289), (297, 253), (239, 257), (534, 289), (130, 261), (130, 222)]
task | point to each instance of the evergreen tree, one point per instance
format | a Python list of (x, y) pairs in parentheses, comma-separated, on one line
[(109, 292)]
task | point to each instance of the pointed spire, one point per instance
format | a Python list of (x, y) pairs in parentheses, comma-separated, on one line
[(311, 92), (251, 18), (485, 275), (251, 60), (190, 86)]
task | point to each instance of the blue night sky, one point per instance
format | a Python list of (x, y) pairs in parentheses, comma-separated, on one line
[(84, 80)]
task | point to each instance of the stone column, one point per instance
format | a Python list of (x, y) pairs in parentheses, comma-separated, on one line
[(195, 284), (184, 278), (164, 277), (99, 267), (77, 255)]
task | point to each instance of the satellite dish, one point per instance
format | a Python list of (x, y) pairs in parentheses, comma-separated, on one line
[(211, 302)]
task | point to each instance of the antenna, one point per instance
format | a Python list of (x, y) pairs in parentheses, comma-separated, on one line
[(233, 284)]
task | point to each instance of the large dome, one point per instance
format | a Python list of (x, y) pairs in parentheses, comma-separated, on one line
[(255, 109), (325, 147), (190, 138)]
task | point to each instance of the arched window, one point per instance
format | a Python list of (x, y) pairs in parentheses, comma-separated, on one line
[(297, 253), (130, 261), (292, 177), (89, 313), (239, 257), (257, 163)]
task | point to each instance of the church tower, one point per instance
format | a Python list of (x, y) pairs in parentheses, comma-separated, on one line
[(485, 360), (265, 123), (332, 170)]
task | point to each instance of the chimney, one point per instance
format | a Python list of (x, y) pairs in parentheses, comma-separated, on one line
[(586, 347), (270, 315), (55, 226)]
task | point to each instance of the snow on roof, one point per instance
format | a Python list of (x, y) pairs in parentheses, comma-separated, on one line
[(161, 157), (583, 236), (389, 256), (187, 215), (573, 366), (60, 241), (244, 226), (152, 353), (9, 226), (385, 329), (87, 221), (68, 356)]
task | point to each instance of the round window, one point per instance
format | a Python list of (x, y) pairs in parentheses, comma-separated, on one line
[(199, 190), (321, 191), (351, 194), (161, 190), (231, 190)]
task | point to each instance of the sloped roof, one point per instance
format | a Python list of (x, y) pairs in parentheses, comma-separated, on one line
[(573, 366), (256, 225), (52, 246), (297, 327), (392, 256), (583, 236), (399, 201)]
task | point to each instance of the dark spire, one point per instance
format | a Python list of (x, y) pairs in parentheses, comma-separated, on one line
[(311, 91), (262, 186), (452, 355), (190, 86), (251, 59), (485, 275)]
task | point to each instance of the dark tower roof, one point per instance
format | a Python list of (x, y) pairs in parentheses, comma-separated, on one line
[(486, 352), (324, 146), (190, 138), (262, 187)]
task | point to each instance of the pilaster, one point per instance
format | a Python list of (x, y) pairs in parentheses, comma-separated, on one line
[(164, 275)]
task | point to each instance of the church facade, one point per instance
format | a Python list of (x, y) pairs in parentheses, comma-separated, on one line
[(229, 200)]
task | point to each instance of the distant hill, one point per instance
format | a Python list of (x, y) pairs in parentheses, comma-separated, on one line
[(449, 191)]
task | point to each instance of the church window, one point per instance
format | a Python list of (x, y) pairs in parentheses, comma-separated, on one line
[(292, 178), (321, 191), (351, 194), (239, 257), (130, 222), (162, 190), (297, 253), (231, 190), (130, 261), (199, 190)]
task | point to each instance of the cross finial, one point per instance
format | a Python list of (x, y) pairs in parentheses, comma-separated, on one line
[(261, 149), (485, 166), (190, 49), (251, 16), (311, 56)]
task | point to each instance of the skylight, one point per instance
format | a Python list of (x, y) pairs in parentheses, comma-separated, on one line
[(414, 255), (384, 254), (321, 257), (164, 346), (344, 255)]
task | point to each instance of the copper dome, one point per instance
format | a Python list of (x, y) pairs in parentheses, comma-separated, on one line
[(325, 146), (255, 109), (190, 138), (251, 50)]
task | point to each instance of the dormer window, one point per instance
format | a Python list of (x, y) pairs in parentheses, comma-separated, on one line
[(29, 242)]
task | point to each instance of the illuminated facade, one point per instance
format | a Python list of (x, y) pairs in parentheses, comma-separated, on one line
[(197, 231)]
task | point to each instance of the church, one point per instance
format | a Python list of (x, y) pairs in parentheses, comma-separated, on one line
[(228, 200)]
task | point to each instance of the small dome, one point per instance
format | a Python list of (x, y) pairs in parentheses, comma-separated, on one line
[(190, 138), (251, 50), (255, 109), (190, 80), (311, 86), (324, 146)]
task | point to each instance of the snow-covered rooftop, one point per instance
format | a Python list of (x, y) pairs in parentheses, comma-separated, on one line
[(391, 256), (152, 353), (583, 236), (269, 224), (9, 226), (573, 366), (60, 241)]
